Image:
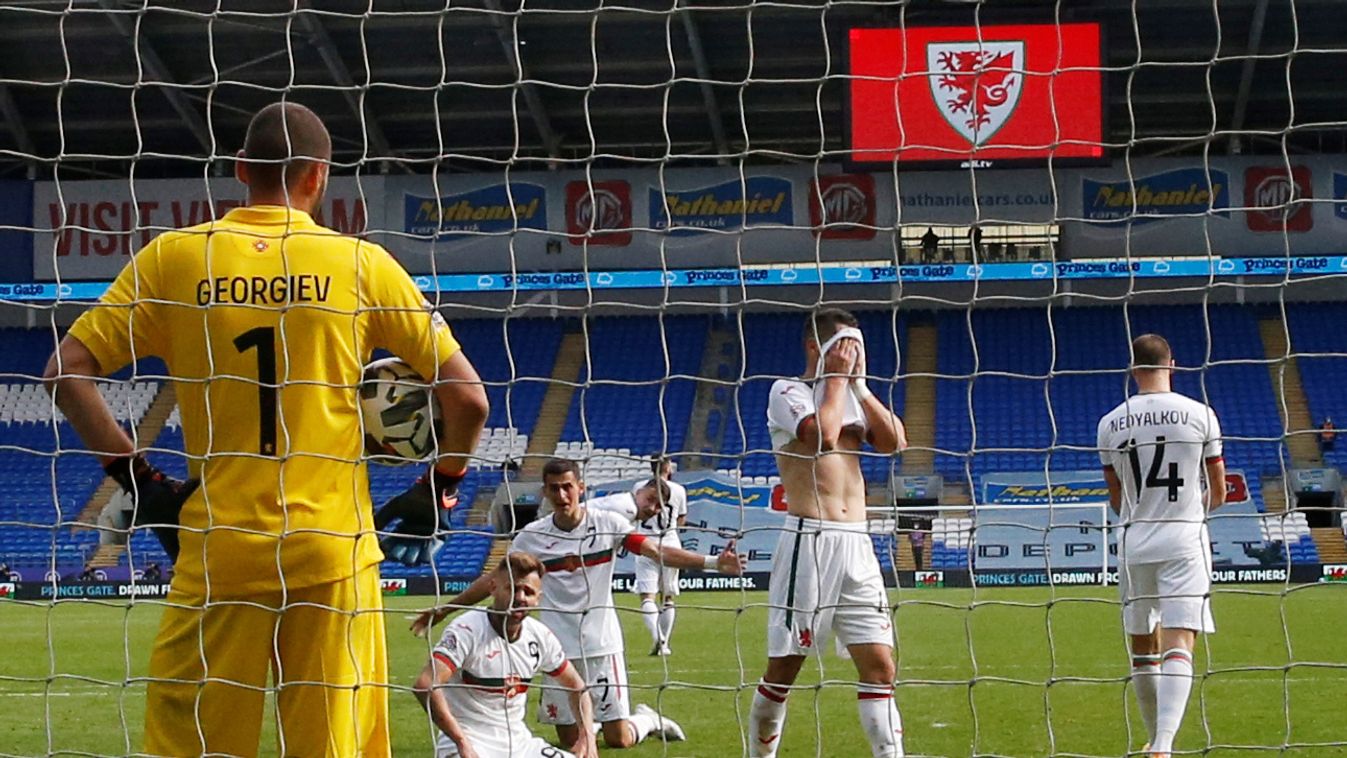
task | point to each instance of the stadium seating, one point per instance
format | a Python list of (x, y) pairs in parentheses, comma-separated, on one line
[(600, 466), (1293, 532), (497, 446), (514, 357), (1319, 339), (951, 540), (884, 547), (1046, 377), (1043, 378), (48, 477), (637, 385)]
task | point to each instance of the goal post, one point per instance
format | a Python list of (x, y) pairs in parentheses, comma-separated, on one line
[(625, 214)]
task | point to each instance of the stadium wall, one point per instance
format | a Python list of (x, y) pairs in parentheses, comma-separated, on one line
[(724, 217), (705, 582), (16, 214)]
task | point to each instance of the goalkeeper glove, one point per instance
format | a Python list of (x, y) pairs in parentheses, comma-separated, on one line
[(157, 497), (423, 513)]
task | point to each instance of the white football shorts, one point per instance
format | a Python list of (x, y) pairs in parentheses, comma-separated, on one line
[(534, 747), (1176, 594), (606, 676), (825, 580), (652, 578)]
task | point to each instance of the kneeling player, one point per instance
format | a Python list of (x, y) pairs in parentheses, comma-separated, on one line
[(475, 685), (1156, 447), (577, 544)]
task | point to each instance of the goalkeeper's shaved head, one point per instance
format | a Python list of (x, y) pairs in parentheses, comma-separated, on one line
[(1151, 352), (285, 142)]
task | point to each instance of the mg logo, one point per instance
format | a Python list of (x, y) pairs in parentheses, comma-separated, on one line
[(1275, 191), (843, 207), (845, 203), (599, 212), (1276, 199)]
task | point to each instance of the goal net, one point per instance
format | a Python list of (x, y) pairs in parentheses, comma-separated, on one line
[(626, 213)]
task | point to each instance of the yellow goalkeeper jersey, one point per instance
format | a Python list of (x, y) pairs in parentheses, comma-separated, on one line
[(265, 320)]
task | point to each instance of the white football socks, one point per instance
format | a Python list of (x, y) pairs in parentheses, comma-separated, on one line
[(650, 617), (1171, 697), (666, 622), (1145, 673), (765, 720), (880, 720), (643, 724)]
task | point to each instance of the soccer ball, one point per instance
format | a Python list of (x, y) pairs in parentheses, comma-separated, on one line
[(402, 419)]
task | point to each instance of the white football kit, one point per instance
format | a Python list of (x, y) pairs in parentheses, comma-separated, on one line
[(651, 577), (577, 605), (1157, 443), (489, 688), (825, 577)]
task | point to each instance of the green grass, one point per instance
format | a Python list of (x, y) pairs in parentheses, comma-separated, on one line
[(1046, 677)]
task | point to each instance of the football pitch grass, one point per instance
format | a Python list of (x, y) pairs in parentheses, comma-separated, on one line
[(1011, 672)]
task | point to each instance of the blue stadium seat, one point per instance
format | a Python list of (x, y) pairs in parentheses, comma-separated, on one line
[(1036, 393)]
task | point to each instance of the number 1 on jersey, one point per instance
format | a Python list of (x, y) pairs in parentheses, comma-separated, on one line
[(264, 339)]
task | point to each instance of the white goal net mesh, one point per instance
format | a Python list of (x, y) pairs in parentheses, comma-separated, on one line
[(626, 213)]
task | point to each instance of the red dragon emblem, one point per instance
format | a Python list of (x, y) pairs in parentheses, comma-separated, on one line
[(976, 86)]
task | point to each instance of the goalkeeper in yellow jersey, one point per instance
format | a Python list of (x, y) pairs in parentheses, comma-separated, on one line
[(265, 320)]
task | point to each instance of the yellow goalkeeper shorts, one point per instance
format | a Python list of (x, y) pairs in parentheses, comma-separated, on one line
[(325, 646)]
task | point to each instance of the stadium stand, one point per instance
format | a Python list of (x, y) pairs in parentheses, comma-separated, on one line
[(636, 400), (1293, 532), (1016, 406), (951, 539), (636, 391), (514, 357), (1317, 329), (48, 479), (603, 465)]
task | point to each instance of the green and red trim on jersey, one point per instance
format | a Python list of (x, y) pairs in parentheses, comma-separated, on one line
[(576, 562), (632, 542), (508, 686)]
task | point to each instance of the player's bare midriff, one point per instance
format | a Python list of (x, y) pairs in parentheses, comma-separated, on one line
[(827, 486)]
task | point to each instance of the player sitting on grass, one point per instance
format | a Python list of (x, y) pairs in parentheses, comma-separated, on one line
[(577, 544), (476, 683), (1156, 447)]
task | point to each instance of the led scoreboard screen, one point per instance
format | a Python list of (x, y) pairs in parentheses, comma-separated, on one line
[(976, 95)]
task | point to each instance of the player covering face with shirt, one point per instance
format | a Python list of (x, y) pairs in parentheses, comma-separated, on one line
[(825, 578)]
